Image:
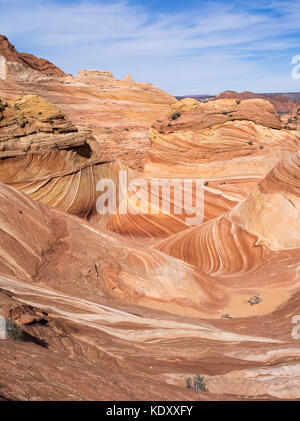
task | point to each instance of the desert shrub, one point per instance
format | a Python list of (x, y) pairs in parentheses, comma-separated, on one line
[(14, 331), (175, 115), (189, 383), (199, 383)]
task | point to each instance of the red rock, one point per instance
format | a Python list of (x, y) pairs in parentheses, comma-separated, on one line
[(280, 102), (119, 112), (128, 306), (8, 51)]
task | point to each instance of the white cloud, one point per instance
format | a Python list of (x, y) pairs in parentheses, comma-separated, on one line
[(214, 48)]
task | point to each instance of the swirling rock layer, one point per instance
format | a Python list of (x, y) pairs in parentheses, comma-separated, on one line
[(255, 237), (229, 144), (43, 154), (127, 305), (94, 308)]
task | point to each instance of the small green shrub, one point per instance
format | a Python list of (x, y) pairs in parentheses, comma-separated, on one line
[(14, 331), (189, 383), (199, 383), (175, 115)]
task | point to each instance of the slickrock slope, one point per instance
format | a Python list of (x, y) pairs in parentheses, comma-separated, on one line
[(253, 240), (40, 244), (272, 210), (230, 144), (139, 212), (61, 281), (119, 112)]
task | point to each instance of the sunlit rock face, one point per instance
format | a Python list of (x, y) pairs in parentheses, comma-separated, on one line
[(44, 155)]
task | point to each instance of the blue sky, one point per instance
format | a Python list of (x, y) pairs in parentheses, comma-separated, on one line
[(184, 47)]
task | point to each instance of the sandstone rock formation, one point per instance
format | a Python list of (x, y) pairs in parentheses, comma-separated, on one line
[(230, 145), (281, 103), (91, 74), (263, 228), (62, 280), (128, 78), (43, 154), (119, 113), (127, 305)]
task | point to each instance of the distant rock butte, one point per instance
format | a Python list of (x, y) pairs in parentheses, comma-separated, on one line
[(102, 74), (280, 102)]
